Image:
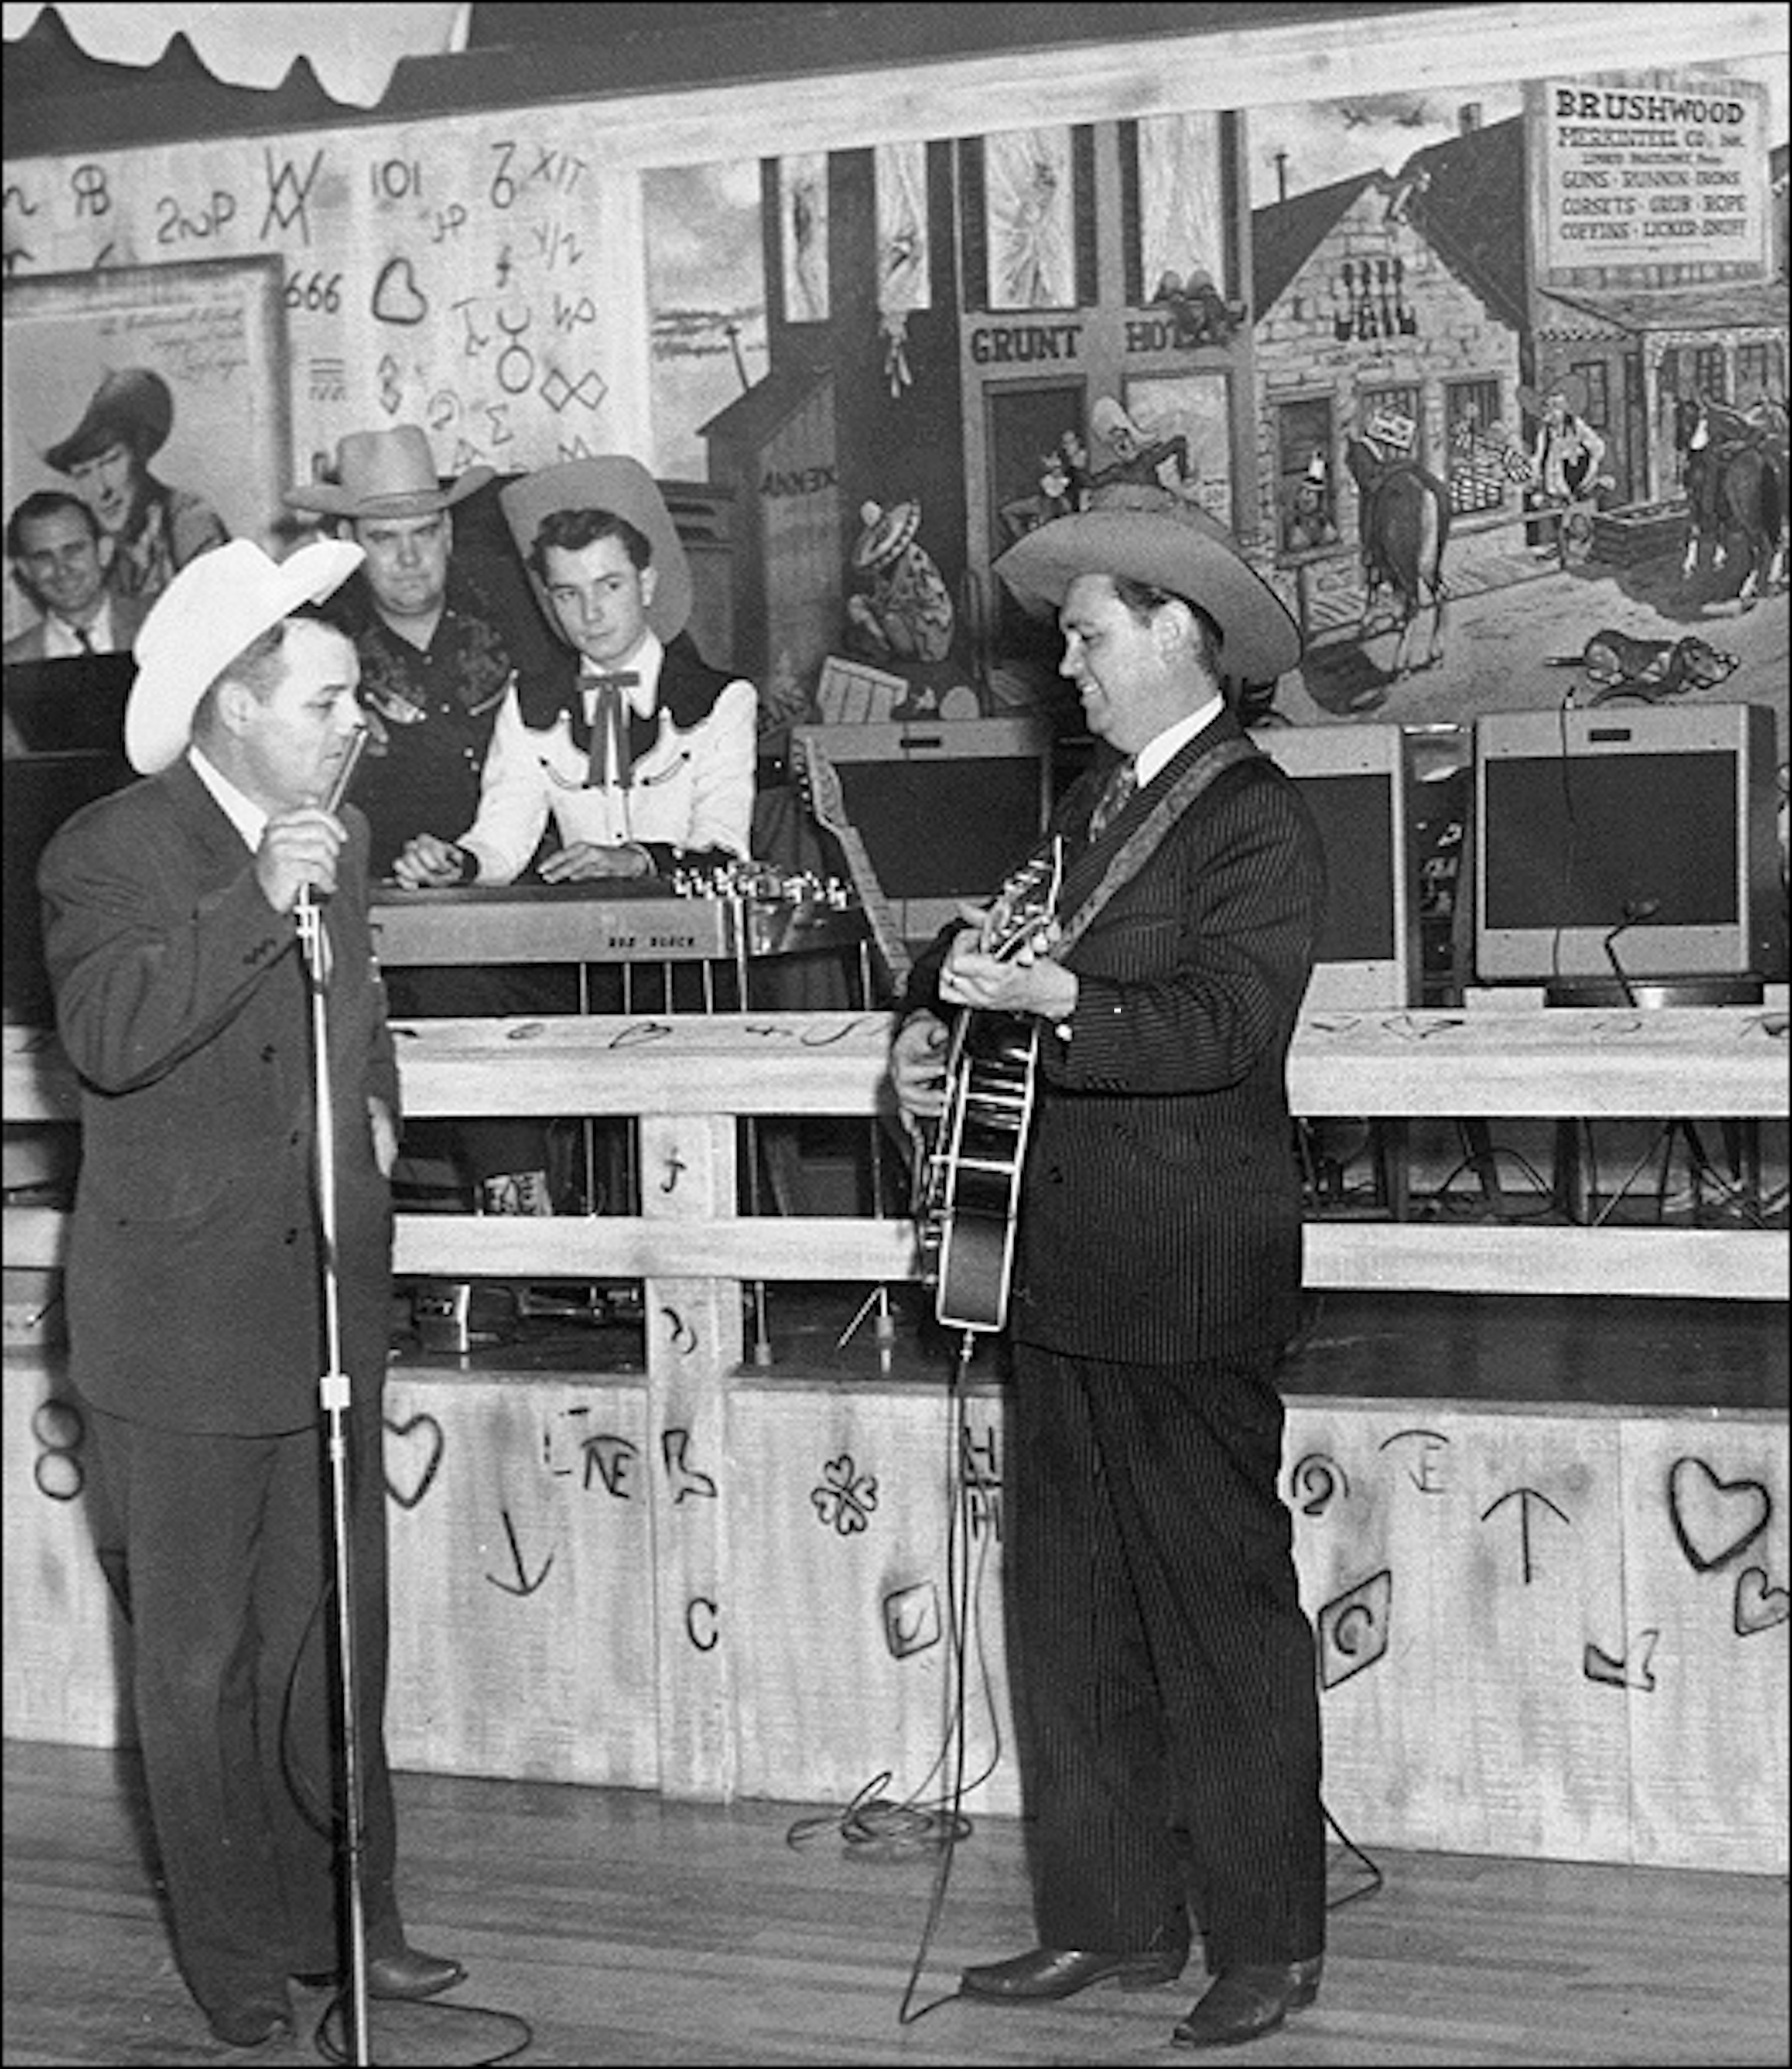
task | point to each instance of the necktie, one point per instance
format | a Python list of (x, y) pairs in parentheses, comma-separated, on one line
[(1115, 793), (609, 752), (85, 637)]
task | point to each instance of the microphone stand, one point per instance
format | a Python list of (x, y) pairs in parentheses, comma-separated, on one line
[(334, 1394)]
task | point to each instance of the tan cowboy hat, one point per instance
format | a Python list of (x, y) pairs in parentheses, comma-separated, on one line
[(887, 532), (132, 407), (610, 481), (1180, 549), (384, 474), (1571, 387), (211, 610)]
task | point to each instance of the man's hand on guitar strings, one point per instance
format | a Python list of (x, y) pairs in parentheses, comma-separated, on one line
[(1023, 982), (917, 1067)]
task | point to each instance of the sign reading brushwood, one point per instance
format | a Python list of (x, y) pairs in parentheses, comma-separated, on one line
[(1652, 172)]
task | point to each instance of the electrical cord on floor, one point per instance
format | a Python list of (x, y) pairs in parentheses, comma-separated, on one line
[(1374, 1878), (327, 1822), (330, 2040), (870, 1826)]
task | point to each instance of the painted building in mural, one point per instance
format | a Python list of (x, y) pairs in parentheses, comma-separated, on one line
[(951, 324), (1652, 257), (1366, 329)]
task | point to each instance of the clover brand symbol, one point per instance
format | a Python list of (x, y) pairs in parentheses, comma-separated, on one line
[(849, 1496)]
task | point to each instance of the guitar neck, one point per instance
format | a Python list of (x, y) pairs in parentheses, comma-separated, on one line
[(827, 800)]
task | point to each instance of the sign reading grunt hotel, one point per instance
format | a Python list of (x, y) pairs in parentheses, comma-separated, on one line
[(1660, 171)]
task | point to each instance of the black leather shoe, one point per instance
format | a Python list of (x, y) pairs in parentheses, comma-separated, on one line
[(251, 2026), (411, 1975), (1048, 1973), (1246, 2002)]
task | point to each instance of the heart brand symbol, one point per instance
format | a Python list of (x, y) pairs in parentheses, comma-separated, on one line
[(413, 1454), (1759, 1604), (1714, 1520)]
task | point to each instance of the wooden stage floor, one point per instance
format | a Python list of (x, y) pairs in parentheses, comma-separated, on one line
[(605, 1926)]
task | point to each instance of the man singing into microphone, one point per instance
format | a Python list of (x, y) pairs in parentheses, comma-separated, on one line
[(194, 1292)]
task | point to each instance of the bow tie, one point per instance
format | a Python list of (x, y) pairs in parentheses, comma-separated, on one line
[(610, 755)]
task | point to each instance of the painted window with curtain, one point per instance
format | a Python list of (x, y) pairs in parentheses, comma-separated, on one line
[(1182, 221), (1029, 200), (904, 261), (802, 190)]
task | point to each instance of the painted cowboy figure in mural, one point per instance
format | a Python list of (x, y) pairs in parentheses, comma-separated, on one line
[(1402, 516), (155, 529), (1144, 471), (904, 620), (1567, 461)]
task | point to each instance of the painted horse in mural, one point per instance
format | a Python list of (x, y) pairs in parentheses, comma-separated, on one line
[(1734, 468), (1402, 528)]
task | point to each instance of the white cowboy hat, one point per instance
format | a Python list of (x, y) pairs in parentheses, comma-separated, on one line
[(385, 474), (612, 481), (1180, 549), (214, 607)]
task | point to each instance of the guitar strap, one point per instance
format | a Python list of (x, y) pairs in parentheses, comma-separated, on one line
[(1136, 851)]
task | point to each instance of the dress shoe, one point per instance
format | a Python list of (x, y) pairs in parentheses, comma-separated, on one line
[(1048, 1973), (1246, 2002), (251, 2026), (411, 1975)]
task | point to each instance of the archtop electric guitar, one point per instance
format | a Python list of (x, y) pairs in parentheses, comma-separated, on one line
[(969, 1180)]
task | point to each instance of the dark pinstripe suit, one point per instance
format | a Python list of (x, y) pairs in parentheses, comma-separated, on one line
[(1164, 1673)]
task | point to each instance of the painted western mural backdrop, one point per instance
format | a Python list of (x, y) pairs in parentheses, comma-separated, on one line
[(1490, 383)]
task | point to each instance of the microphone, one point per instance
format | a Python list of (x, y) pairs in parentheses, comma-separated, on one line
[(1636, 910), (331, 801)]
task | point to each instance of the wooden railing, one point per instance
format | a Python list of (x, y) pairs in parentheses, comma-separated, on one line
[(687, 1078), (646, 1577)]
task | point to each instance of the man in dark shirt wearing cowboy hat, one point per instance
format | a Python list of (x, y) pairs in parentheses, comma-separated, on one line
[(156, 530), (437, 655), (1166, 1699)]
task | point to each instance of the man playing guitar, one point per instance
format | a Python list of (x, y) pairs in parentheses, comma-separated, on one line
[(1162, 1661)]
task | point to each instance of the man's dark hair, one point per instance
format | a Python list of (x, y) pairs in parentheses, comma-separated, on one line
[(41, 504), (1143, 598), (573, 530)]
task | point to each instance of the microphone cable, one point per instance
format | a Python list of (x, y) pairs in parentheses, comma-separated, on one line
[(871, 1826), (1636, 910)]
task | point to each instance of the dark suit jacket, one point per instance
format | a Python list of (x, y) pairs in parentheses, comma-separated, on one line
[(128, 613), (1160, 1216), (193, 1288)]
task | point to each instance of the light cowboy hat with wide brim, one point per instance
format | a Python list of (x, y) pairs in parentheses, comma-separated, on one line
[(213, 608), (887, 533), (1180, 550), (385, 474), (615, 482), (132, 406)]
